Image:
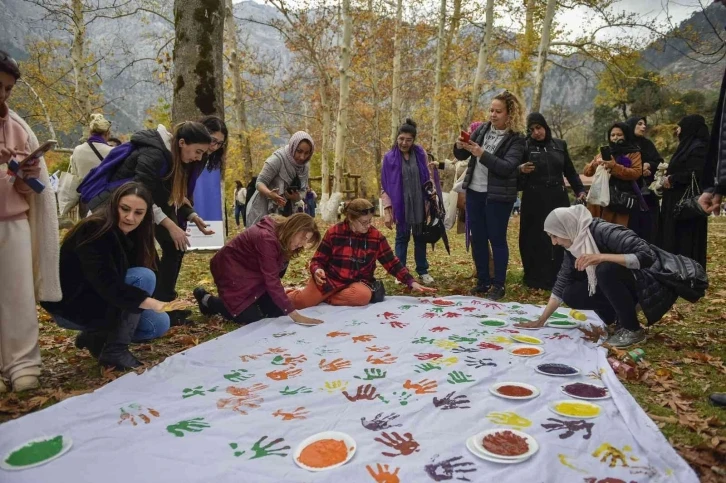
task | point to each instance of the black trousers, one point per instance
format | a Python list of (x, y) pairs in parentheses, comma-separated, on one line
[(263, 308), (614, 300), (169, 267)]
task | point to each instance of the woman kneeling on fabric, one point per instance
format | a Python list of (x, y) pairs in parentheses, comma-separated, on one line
[(616, 279), (343, 266), (248, 271), (106, 264)]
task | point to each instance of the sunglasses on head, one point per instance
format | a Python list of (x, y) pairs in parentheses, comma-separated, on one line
[(366, 211)]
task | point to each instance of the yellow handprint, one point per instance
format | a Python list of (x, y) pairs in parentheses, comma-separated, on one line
[(446, 344), (509, 419), (498, 339), (335, 386), (448, 361), (610, 452)]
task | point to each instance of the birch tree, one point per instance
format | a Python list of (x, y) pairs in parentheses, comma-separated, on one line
[(440, 47), (396, 88), (544, 46), (485, 51)]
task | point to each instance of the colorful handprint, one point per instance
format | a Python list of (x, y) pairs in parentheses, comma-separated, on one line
[(424, 386), (335, 365), (297, 413), (404, 445)]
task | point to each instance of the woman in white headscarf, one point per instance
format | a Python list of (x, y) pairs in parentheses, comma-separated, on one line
[(283, 177), (605, 269)]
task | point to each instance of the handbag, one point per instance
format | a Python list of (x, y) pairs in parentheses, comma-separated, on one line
[(378, 291), (621, 201), (684, 276), (688, 208), (68, 196)]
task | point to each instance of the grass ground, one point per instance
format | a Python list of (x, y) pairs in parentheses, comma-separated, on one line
[(684, 359)]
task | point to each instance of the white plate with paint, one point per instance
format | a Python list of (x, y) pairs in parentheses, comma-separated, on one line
[(577, 409), (335, 435), (471, 446), (564, 390), (519, 350), (36, 452), (493, 323), (526, 339), (532, 446), (494, 389), (551, 369)]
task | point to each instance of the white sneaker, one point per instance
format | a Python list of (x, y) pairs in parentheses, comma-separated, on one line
[(25, 383), (427, 279)]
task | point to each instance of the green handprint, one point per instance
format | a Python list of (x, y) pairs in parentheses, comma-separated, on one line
[(196, 391), (460, 339), (458, 377), (194, 425), (477, 333), (405, 307), (262, 451), (403, 397), (438, 310), (380, 396), (290, 392), (426, 367), (514, 307), (234, 446), (371, 374), (355, 323), (423, 340), (238, 376)]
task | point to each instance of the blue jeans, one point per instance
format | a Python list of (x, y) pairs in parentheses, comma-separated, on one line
[(239, 209), (488, 223), (152, 324), (403, 235)]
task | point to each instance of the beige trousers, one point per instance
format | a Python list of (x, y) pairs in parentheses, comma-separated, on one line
[(19, 351)]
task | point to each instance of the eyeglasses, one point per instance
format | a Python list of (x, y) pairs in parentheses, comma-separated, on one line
[(216, 142)]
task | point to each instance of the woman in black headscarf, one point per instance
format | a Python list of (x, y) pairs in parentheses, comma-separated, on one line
[(625, 168), (645, 223), (685, 237), (541, 178)]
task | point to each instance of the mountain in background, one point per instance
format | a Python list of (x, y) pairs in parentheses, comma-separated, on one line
[(131, 93)]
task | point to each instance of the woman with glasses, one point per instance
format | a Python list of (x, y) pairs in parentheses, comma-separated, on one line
[(342, 269)]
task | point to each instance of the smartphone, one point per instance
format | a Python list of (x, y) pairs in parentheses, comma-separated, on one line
[(605, 153), (534, 158), (466, 136), (42, 149)]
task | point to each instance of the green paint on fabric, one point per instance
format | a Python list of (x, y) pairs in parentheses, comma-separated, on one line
[(35, 452)]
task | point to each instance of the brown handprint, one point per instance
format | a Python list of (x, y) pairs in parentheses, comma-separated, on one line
[(335, 365), (366, 393), (374, 348), (405, 445), (297, 413), (245, 398), (383, 474), (424, 386), (250, 357), (284, 374), (384, 359), (276, 350), (337, 334), (363, 338)]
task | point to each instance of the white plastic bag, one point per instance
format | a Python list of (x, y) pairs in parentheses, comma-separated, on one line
[(600, 190), (450, 200), (459, 184), (68, 197)]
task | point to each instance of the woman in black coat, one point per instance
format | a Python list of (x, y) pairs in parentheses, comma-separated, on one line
[(106, 264), (645, 223), (494, 152), (543, 189), (685, 237), (607, 268)]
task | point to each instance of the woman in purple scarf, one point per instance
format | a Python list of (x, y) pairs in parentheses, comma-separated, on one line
[(404, 178)]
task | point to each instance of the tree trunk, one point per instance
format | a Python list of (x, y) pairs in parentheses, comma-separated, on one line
[(544, 45), (396, 87), (341, 125), (523, 64), (324, 168), (485, 50), (440, 44), (198, 60), (48, 121), (78, 59), (239, 100)]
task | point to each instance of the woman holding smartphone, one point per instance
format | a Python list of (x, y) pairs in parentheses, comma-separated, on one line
[(541, 179), (284, 175)]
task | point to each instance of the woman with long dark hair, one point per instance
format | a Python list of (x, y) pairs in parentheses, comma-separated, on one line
[(406, 184), (167, 165), (494, 151), (106, 269), (685, 237)]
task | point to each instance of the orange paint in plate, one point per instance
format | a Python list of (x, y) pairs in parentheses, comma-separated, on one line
[(526, 351), (323, 453)]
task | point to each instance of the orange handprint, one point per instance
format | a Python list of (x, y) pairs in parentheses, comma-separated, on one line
[(383, 475), (384, 359), (246, 392), (337, 334), (276, 350), (284, 374), (133, 411), (298, 413), (335, 365), (250, 357), (375, 348), (246, 398), (363, 338), (424, 386)]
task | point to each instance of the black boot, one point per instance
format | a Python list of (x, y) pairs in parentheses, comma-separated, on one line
[(199, 294), (116, 351), (91, 340), (179, 317), (718, 399)]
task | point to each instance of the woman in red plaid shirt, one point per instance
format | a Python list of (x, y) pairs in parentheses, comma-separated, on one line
[(342, 268)]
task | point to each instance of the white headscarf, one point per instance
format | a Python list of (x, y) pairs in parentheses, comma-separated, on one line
[(573, 223)]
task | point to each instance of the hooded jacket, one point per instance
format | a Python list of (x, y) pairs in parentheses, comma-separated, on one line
[(648, 152)]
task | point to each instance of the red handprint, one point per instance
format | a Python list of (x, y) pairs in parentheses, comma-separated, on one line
[(428, 315), (467, 309), (438, 329), (427, 356), (487, 345), (424, 386), (451, 315), (375, 348), (404, 445), (335, 365), (363, 338), (397, 325), (384, 359), (388, 315), (284, 374), (508, 331), (337, 334)]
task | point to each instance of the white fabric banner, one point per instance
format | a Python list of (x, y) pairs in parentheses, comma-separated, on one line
[(407, 379)]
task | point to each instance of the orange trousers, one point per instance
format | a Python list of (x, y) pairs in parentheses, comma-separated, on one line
[(354, 295)]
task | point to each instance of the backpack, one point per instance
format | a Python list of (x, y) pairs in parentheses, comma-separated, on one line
[(684, 276), (98, 179)]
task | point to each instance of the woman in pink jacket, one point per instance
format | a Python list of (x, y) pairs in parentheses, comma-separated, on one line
[(248, 270)]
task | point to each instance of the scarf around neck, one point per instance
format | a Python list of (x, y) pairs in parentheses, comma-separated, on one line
[(573, 223), (392, 178)]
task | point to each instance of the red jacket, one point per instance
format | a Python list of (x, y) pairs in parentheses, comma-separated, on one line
[(250, 265)]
